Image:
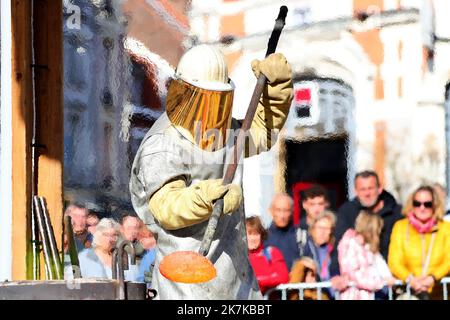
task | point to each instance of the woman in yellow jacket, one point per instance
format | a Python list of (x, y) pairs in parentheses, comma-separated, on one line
[(419, 250)]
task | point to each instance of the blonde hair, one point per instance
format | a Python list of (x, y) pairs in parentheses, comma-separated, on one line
[(438, 205), (103, 225), (369, 226), (326, 214)]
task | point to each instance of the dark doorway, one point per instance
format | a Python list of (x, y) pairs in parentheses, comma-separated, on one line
[(320, 161)]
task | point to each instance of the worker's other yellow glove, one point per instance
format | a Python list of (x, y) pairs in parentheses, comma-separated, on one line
[(176, 206)]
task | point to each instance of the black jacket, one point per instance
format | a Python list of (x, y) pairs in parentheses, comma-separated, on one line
[(346, 217), (285, 239)]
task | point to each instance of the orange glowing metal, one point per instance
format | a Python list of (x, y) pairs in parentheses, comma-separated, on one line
[(187, 267)]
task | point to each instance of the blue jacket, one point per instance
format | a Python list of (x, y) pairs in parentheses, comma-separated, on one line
[(285, 239), (92, 267), (312, 251), (147, 260)]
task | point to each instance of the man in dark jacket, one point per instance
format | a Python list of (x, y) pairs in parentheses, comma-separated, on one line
[(369, 196), (282, 232)]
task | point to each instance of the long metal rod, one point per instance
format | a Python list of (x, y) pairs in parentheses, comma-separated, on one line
[(44, 239), (447, 142), (51, 239), (73, 253), (122, 260), (240, 143), (35, 245), (114, 264)]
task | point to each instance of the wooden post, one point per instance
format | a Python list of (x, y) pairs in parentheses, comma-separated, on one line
[(48, 70), (21, 135), (48, 64)]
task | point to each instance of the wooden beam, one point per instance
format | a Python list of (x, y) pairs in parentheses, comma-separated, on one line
[(21, 135), (48, 66), (48, 70)]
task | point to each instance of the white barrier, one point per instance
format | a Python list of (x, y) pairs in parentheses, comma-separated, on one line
[(445, 282), (319, 286)]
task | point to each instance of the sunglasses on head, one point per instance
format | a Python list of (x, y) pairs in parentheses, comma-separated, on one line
[(426, 204)]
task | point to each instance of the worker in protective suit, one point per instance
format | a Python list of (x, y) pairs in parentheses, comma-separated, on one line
[(177, 172)]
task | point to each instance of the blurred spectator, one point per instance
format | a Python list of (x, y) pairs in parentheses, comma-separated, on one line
[(369, 196), (146, 238), (420, 244), (267, 262), (360, 260), (91, 222), (314, 202), (319, 246), (96, 262), (282, 233), (79, 214), (148, 242), (130, 225)]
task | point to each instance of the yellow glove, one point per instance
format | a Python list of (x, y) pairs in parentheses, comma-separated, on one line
[(214, 189), (210, 190), (232, 199), (277, 70), (176, 206), (273, 107)]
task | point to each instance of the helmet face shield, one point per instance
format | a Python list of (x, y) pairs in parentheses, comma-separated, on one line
[(205, 114)]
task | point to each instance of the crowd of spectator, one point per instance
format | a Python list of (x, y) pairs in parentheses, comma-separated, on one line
[(96, 239), (362, 250)]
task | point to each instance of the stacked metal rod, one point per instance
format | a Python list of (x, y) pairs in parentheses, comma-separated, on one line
[(35, 246), (72, 249), (52, 260)]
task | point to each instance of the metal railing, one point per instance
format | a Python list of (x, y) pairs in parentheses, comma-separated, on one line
[(445, 282), (320, 286)]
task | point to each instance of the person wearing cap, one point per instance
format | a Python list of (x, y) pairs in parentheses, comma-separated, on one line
[(177, 171)]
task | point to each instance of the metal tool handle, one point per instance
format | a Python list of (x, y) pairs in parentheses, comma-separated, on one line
[(51, 240), (49, 267), (73, 252), (240, 142)]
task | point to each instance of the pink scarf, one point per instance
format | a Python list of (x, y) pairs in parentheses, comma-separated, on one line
[(421, 227)]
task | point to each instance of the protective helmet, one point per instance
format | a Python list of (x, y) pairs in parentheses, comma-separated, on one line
[(204, 66), (200, 97)]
